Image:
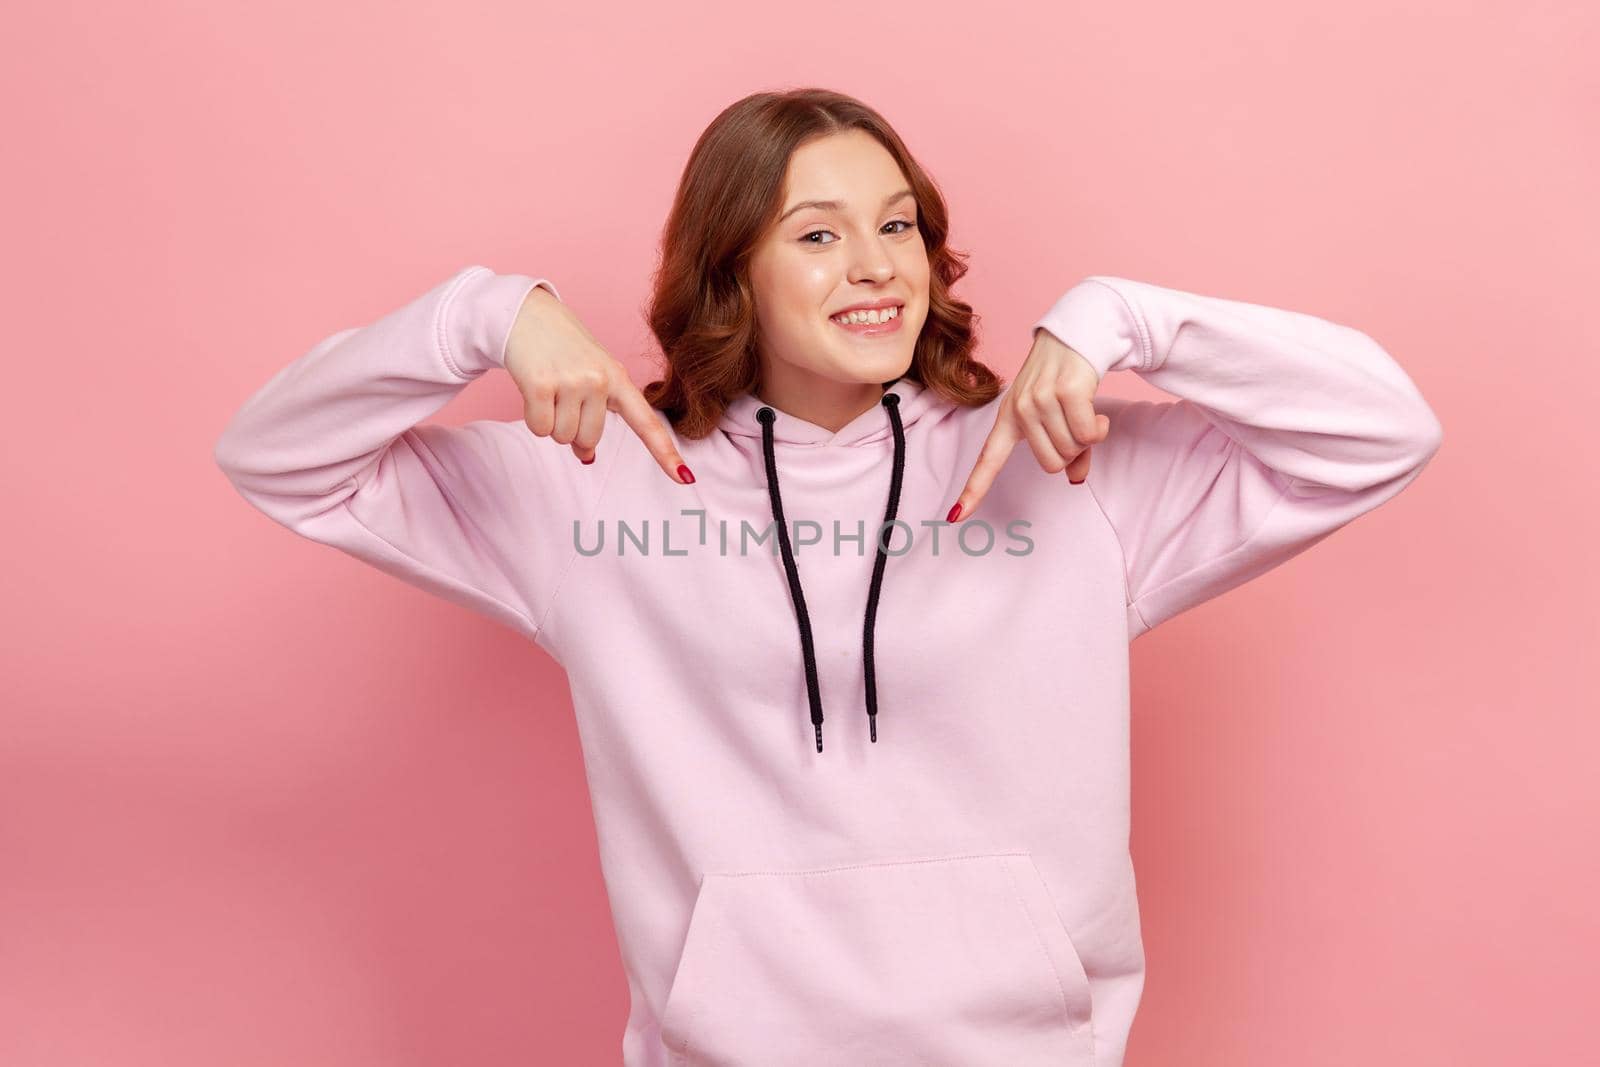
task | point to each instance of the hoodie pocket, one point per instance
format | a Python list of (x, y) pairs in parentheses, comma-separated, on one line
[(953, 960)]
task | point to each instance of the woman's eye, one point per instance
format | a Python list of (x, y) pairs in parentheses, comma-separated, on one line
[(817, 233)]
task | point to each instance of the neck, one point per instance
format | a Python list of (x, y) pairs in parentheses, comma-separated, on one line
[(824, 402)]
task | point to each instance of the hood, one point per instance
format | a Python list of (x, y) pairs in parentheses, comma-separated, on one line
[(904, 401)]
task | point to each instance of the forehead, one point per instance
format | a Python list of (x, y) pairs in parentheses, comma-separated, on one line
[(851, 167)]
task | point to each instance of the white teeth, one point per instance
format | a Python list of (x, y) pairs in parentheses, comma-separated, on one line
[(870, 317)]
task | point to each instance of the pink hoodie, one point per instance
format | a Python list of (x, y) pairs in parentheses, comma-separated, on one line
[(959, 891)]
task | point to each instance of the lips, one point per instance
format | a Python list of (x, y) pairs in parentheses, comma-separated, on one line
[(872, 305), (869, 329)]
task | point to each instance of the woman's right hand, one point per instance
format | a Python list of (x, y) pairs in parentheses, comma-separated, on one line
[(568, 381)]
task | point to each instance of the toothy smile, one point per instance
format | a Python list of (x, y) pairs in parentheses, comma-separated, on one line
[(869, 317)]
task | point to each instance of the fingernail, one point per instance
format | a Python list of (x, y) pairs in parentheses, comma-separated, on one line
[(589, 460), (1076, 481), (685, 473), (955, 513)]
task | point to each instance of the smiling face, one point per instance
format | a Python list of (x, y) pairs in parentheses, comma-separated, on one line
[(820, 259)]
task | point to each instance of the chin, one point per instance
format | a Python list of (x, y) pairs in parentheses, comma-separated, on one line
[(900, 369), (877, 371), (870, 367)]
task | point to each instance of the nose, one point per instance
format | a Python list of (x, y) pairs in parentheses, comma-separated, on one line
[(871, 263)]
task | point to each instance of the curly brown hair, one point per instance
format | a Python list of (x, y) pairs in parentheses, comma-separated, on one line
[(702, 308)]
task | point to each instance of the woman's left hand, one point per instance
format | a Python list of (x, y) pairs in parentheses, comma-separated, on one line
[(1050, 404)]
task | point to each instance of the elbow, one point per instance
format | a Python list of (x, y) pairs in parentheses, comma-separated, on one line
[(225, 455), (1425, 434), (232, 453), (1416, 430), (278, 493), (243, 461), (291, 490)]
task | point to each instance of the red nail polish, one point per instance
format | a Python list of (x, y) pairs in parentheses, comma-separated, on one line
[(955, 512), (685, 473), (589, 460)]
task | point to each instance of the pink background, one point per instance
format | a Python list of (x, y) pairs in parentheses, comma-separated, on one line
[(260, 805)]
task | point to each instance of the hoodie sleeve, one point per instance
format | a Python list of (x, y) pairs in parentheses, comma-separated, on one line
[(332, 447), (1286, 427)]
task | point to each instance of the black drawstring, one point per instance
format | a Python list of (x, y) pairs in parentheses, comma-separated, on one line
[(892, 402), (766, 416)]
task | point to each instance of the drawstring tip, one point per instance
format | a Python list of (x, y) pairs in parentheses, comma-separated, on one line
[(819, 737), (872, 723)]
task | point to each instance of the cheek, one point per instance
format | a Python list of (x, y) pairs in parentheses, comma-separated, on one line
[(814, 283), (792, 306), (788, 279), (806, 292), (913, 266)]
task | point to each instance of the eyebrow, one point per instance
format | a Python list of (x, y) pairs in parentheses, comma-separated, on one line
[(835, 205)]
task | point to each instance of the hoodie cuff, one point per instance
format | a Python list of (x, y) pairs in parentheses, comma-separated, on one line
[(478, 318), (1095, 320)]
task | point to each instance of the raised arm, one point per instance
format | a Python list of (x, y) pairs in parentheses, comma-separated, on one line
[(332, 447), (1286, 427)]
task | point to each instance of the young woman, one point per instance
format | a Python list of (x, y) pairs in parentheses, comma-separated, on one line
[(949, 880)]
